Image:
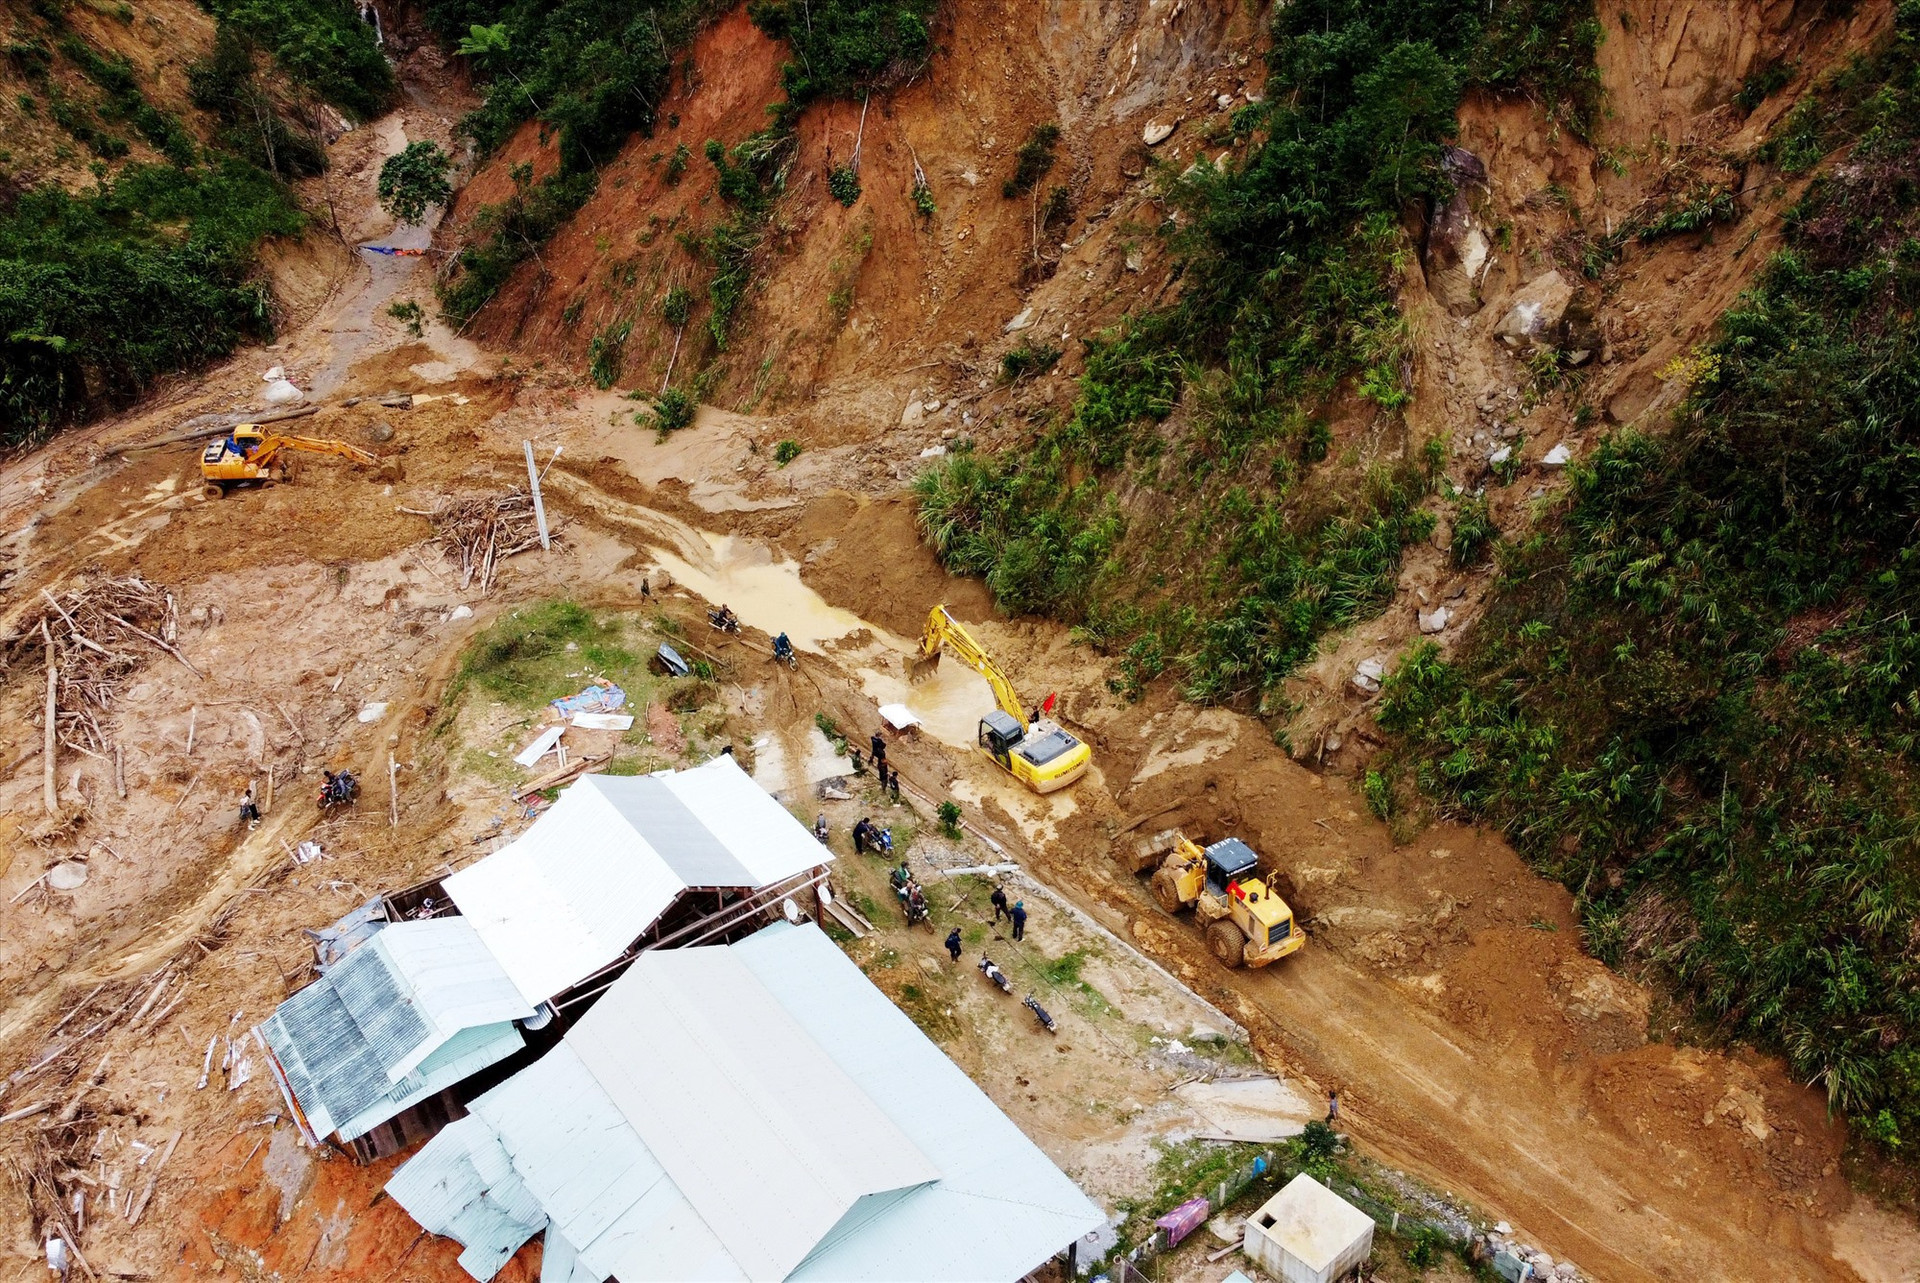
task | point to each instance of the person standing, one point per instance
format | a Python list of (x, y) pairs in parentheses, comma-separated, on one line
[(1333, 1105), (1019, 916), (249, 809), (860, 837), (893, 783), (999, 898), (953, 943), (879, 747)]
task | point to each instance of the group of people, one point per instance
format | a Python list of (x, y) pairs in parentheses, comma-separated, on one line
[(1016, 915), (912, 897)]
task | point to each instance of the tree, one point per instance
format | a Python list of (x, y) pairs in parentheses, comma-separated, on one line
[(414, 181)]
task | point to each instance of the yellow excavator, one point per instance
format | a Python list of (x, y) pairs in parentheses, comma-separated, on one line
[(250, 454), (1247, 921), (1043, 756)]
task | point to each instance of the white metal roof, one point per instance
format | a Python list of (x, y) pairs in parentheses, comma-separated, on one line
[(764, 1134), (709, 1116), (1312, 1223), (591, 875)]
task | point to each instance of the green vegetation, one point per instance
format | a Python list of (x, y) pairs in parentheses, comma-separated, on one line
[(524, 659), (673, 410), (321, 45), (150, 272), (1695, 698), (948, 813), (228, 85), (1027, 360), (844, 182), (409, 314), (923, 200), (1247, 550), (1032, 160), (785, 451), (845, 48), (413, 180)]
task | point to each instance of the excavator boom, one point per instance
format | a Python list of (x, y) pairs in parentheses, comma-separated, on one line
[(313, 445), (943, 630)]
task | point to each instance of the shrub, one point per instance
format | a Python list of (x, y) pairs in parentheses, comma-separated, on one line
[(948, 813), (409, 314), (845, 47), (844, 182), (1026, 360), (413, 180), (673, 410), (923, 200), (1032, 161), (785, 451), (321, 45)]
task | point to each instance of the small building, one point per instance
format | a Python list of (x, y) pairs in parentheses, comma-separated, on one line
[(754, 1111), (1308, 1234), (367, 1055), (622, 864)]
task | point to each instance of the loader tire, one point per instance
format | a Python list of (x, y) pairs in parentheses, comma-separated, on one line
[(1227, 943), (1166, 889), (213, 490)]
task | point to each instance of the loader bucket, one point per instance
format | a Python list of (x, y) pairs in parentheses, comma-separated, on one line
[(921, 667)]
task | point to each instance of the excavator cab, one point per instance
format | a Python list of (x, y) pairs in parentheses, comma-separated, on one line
[(998, 735), (249, 454), (1228, 860)]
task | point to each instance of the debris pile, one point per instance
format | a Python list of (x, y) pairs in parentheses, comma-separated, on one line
[(480, 531), (97, 634)]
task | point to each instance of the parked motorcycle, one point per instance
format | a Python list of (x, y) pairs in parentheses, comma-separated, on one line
[(1040, 1012), (724, 620), (994, 974)]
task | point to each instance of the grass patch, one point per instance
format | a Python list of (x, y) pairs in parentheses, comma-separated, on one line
[(539, 653)]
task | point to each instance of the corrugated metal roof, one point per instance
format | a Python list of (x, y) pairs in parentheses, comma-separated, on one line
[(574, 891), (461, 1185), (419, 1007), (788, 1034), (766, 1136)]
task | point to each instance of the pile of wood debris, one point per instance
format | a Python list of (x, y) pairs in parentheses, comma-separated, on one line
[(90, 637), (478, 532)]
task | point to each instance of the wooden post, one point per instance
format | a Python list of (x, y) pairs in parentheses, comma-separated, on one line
[(119, 772), (49, 790), (539, 508), (266, 806), (393, 792)]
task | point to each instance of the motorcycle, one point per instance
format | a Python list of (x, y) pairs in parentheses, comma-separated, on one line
[(994, 974), (783, 653), (340, 789), (1052, 1026), (723, 620), (917, 912)]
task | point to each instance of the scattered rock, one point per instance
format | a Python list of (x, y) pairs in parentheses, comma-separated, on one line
[(1433, 621), (373, 712), (1136, 258), (931, 406), (1558, 457), (933, 452), (1020, 322), (1224, 101), (1367, 676), (1156, 133), (68, 875), (1501, 455), (381, 432), (1534, 319), (832, 789), (912, 414), (460, 612)]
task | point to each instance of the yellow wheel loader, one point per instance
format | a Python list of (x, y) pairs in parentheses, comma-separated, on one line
[(248, 454), (1043, 756), (1246, 920)]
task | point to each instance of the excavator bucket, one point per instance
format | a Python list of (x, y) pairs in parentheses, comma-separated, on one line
[(921, 667)]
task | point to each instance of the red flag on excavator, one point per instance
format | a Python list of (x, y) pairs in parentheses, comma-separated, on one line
[(1048, 706)]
